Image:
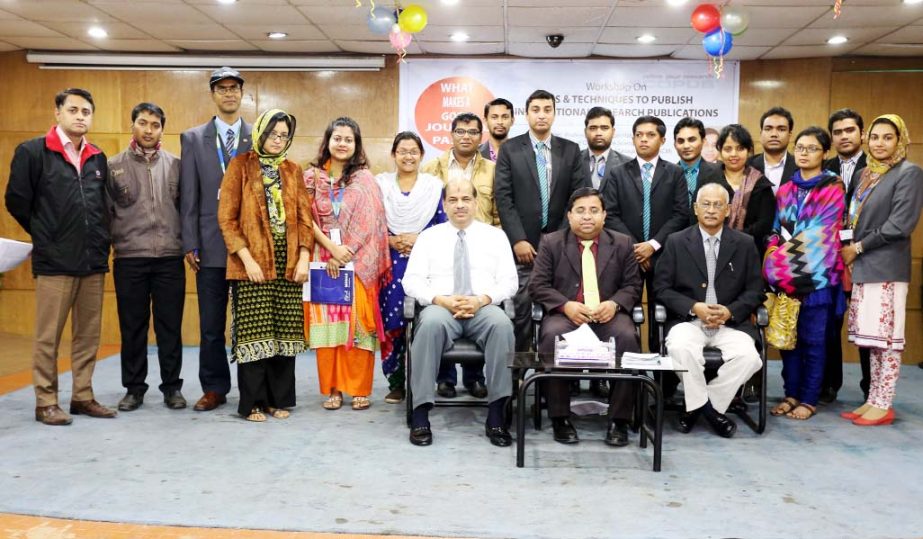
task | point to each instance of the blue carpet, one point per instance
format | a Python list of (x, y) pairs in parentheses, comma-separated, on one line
[(355, 472)]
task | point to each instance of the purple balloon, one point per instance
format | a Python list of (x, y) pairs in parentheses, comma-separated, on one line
[(718, 43)]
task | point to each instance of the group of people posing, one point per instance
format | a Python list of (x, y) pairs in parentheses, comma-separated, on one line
[(530, 218)]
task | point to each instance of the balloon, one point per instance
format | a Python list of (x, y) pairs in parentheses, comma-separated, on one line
[(718, 43), (412, 19), (706, 18), (734, 20), (400, 40), (381, 20)]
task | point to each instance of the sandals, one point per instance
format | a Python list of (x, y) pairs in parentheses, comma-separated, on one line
[(278, 413), (361, 403), (333, 402), (811, 410), (785, 407), (256, 415)]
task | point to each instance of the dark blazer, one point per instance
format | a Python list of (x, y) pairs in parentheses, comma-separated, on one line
[(833, 165), (761, 212), (623, 196), (613, 159), (679, 284), (759, 163), (200, 178), (516, 187), (708, 173), (557, 273), (484, 150)]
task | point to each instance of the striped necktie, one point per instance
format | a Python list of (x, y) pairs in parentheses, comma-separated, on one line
[(542, 165), (646, 185), (692, 174), (229, 145)]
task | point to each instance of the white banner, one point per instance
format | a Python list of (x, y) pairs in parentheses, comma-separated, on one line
[(433, 92)]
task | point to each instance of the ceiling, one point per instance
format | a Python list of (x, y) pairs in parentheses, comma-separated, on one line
[(778, 28)]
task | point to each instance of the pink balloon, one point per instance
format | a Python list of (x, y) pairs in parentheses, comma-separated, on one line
[(400, 40)]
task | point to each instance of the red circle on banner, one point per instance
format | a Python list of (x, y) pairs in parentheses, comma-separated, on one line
[(442, 101)]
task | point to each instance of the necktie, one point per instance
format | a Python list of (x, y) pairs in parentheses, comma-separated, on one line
[(229, 145), (461, 267), (710, 264), (691, 177), (590, 284), (646, 185), (542, 165), (600, 171)]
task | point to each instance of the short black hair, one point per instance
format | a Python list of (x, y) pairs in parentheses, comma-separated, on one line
[(585, 192), (778, 111), (822, 136), (467, 117), (689, 122), (661, 127), (80, 92), (737, 132), (497, 103), (541, 94), (598, 112), (407, 135), (845, 114), (151, 109)]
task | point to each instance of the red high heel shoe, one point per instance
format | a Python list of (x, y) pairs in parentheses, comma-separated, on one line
[(887, 419)]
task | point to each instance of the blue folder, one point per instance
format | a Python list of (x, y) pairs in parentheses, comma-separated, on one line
[(326, 289)]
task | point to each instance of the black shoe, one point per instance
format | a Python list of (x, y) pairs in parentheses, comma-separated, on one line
[(564, 432), (751, 393), (446, 390), (498, 436), (827, 395), (687, 420), (395, 396), (477, 390), (575, 388), (174, 400), (421, 436), (737, 406), (617, 435), (599, 388), (131, 402), (721, 424)]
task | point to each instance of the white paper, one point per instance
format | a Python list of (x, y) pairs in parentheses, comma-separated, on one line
[(661, 363), (846, 234), (13, 253), (583, 336)]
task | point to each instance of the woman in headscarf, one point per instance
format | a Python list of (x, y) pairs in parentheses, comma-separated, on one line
[(883, 212), (803, 260), (413, 203), (349, 226), (265, 216)]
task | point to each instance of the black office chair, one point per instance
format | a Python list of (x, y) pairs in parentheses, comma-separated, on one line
[(713, 361), (463, 351)]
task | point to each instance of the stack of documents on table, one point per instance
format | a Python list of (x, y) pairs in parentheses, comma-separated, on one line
[(581, 348), (653, 362)]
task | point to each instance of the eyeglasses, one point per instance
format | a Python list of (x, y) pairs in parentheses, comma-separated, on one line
[(718, 206), (807, 149), (405, 153), (470, 132), (283, 137), (225, 90)]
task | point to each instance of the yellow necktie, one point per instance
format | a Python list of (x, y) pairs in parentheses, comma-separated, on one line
[(590, 285)]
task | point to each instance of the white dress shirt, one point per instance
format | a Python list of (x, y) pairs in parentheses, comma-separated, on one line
[(774, 172), (430, 270), (847, 167)]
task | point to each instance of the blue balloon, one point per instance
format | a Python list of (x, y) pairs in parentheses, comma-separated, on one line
[(718, 43), (381, 20)]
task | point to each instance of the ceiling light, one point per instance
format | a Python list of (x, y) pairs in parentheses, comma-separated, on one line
[(277, 35), (226, 1), (676, 3), (459, 37), (646, 38), (837, 40), (912, 1), (449, 2), (97, 32)]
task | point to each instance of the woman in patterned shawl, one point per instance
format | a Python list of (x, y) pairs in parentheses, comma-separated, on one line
[(349, 226), (265, 216), (803, 260)]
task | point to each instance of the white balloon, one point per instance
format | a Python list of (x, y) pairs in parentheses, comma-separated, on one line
[(734, 20)]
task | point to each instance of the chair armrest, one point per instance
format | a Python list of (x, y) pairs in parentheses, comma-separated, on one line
[(509, 308), (410, 307), (762, 316), (637, 314), (660, 313), (538, 312)]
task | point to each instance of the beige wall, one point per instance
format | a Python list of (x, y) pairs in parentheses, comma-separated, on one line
[(810, 88)]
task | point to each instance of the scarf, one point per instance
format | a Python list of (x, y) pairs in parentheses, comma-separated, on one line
[(269, 165), (145, 154), (742, 198), (875, 169), (409, 214)]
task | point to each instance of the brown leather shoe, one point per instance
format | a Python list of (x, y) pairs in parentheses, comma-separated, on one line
[(209, 401), (92, 409), (52, 415)]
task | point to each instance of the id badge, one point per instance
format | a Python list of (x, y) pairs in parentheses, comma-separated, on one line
[(846, 234), (335, 236)]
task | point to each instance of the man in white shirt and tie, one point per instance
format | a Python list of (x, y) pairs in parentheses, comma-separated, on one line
[(461, 271)]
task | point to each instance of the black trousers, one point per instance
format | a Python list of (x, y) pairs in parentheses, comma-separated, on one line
[(214, 370), (141, 283), (266, 383)]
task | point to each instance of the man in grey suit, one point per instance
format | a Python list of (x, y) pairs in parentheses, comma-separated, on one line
[(599, 158), (206, 151)]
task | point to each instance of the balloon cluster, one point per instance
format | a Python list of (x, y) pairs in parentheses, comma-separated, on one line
[(719, 26), (398, 25)]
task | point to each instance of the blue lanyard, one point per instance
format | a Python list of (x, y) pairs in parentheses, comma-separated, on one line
[(336, 200), (231, 151)]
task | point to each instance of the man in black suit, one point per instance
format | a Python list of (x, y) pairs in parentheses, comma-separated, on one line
[(689, 140), (535, 176), (646, 199), (206, 151), (776, 163), (846, 128), (710, 282), (599, 158), (498, 116)]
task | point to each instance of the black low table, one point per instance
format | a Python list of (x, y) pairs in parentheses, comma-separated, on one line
[(543, 368)]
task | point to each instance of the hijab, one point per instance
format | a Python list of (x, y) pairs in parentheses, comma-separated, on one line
[(269, 163)]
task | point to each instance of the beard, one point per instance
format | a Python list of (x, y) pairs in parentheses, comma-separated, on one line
[(602, 145), (499, 136)]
